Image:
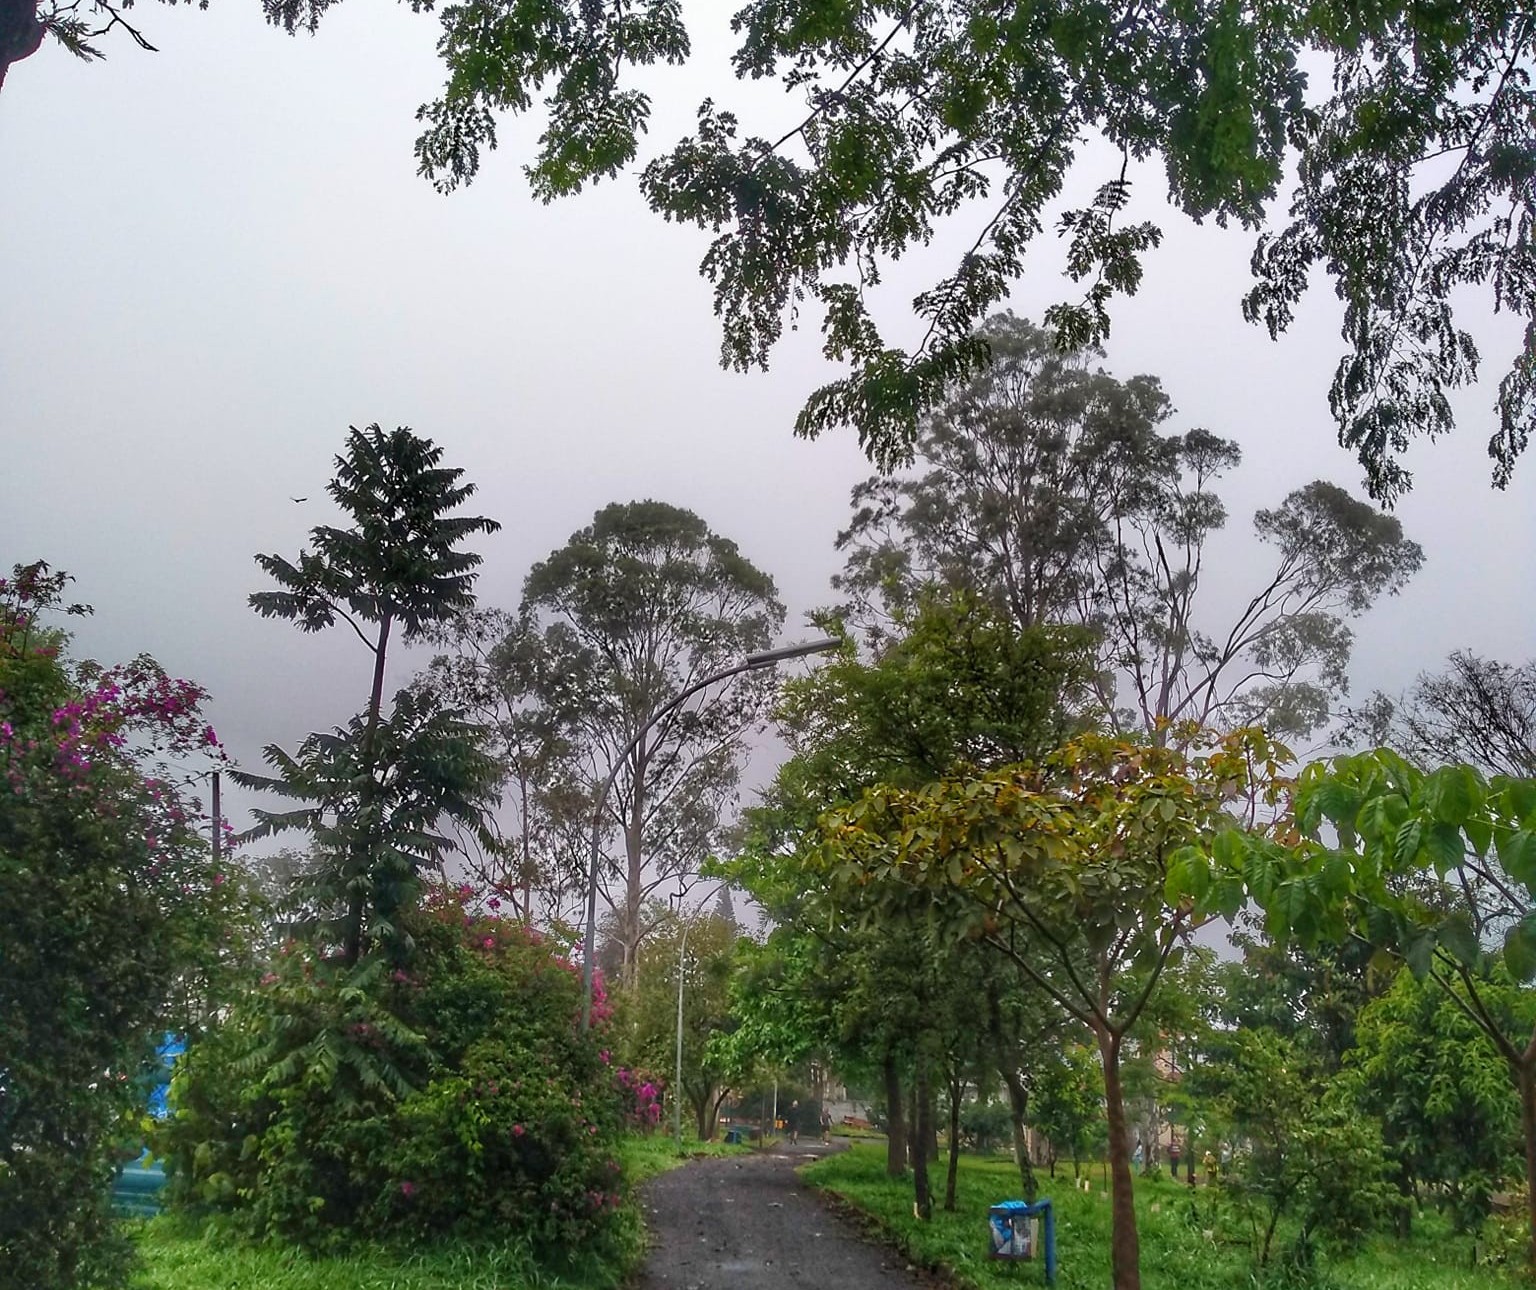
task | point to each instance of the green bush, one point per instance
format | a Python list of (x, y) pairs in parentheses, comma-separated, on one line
[(114, 918), (453, 1093)]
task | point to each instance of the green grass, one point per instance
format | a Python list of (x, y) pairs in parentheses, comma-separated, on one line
[(1181, 1247), (643, 1158), (176, 1254)]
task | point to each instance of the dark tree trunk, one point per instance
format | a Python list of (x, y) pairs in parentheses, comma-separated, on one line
[(914, 1127), (1125, 1245), (1526, 1078), (362, 852), (1018, 1108), (921, 1192), (956, 1089), (20, 33), (895, 1123)]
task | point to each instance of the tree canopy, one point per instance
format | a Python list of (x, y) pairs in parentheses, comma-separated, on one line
[(1381, 148)]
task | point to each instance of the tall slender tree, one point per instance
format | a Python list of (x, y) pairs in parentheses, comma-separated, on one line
[(633, 610), (398, 565), (1051, 489)]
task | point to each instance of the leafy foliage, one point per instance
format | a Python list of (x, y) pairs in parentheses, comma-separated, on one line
[(1302, 1156), (1438, 868), (1048, 489), (631, 612), (702, 948), (117, 927), (1423, 1069), (339, 1103), (376, 789), (1406, 129), (1070, 870)]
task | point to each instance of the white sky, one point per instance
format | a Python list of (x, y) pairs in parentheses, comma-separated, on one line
[(218, 256)]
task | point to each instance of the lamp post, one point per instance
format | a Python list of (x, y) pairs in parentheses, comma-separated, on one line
[(752, 663), (677, 1084)]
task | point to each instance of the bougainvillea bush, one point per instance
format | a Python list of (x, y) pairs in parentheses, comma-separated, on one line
[(453, 1094), (114, 916)]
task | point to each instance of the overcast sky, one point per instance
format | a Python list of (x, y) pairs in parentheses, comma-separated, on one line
[(217, 257)]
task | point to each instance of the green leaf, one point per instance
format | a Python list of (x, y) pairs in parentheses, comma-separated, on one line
[(1456, 935), (1405, 846), (1291, 906), (1517, 853), (1261, 874), (1520, 949), (1336, 878), (1452, 794), (1445, 848), (1419, 951), (1381, 817), (1332, 800)]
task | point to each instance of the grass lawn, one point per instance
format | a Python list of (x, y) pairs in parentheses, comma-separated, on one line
[(180, 1255), (1179, 1249)]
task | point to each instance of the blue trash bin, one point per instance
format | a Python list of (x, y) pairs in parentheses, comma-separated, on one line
[(1021, 1229)]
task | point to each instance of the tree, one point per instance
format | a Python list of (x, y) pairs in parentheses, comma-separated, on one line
[(1047, 488), (706, 960), (1478, 711), (1310, 996), (118, 925), (959, 685), (398, 566), (1069, 1102), (1437, 869), (496, 673), (633, 610), (1069, 870), (1406, 159), (1423, 1069), (1303, 1155)]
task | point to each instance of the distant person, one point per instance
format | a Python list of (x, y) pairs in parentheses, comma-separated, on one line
[(826, 1125), (792, 1122)]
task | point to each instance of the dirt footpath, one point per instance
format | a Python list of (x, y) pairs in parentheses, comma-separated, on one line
[(749, 1222)]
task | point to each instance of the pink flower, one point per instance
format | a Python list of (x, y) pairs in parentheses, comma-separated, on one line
[(488, 943), (407, 1189), (518, 1130)]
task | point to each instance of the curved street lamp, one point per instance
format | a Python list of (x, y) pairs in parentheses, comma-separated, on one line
[(752, 663)]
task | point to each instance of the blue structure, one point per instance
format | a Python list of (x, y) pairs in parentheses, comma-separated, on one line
[(1017, 1225), (136, 1189)]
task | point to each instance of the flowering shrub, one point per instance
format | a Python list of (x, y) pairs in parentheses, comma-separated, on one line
[(113, 916), (453, 1092), (639, 1097)]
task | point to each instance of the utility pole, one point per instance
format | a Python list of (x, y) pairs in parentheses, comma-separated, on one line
[(218, 838)]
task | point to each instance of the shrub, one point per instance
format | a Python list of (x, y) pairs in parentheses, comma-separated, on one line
[(114, 918), (453, 1093)]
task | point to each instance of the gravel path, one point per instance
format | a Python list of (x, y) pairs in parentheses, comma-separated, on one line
[(749, 1222)]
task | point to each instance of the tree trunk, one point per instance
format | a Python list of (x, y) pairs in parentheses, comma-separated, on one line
[(1526, 1075), (914, 1126), (634, 873), (20, 33), (923, 1097), (362, 847), (1125, 1245), (895, 1124), (956, 1089), (1018, 1107)]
